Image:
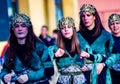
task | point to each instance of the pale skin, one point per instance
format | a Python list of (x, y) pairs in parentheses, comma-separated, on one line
[(115, 28), (21, 31), (88, 20)]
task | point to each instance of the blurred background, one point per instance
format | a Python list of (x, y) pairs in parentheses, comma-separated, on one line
[(48, 12)]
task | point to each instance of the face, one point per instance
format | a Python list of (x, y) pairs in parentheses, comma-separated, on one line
[(44, 31), (67, 31), (20, 30), (88, 20), (115, 27), (54, 35)]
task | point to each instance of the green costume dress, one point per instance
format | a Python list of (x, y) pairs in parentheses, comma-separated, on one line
[(36, 71), (102, 46), (64, 63)]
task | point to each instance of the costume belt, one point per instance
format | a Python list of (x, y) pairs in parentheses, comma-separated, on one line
[(71, 74)]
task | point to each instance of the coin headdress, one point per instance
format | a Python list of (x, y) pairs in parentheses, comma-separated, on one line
[(112, 18), (87, 8), (20, 18), (68, 20)]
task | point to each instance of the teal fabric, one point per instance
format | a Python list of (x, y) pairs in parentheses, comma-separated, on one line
[(65, 61), (38, 62), (98, 46), (112, 59)]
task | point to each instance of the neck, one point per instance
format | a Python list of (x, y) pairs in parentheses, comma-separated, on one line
[(91, 27), (21, 41), (117, 35), (69, 38), (44, 36)]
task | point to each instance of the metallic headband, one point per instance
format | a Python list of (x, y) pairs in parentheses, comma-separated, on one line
[(64, 21), (20, 18), (112, 18), (87, 8)]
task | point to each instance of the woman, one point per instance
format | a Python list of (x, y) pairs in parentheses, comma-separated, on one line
[(114, 25), (96, 41), (67, 54), (26, 59)]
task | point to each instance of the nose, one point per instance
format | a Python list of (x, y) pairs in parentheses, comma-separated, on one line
[(66, 28), (85, 17), (114, 25), (19, 28)]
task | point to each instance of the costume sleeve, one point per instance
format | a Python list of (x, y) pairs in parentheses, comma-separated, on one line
[(51, 52), (111, 43), (47, 63), (45, 68), (36, 75), (112, 59), (5, 69)]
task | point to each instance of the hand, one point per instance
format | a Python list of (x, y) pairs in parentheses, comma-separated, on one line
[(84, 68), (84, 54), (8, 77), (100, 67), (60, 52), (22, 78), (48, 39)]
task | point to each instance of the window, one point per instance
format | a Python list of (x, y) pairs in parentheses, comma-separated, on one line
[(59, 11)]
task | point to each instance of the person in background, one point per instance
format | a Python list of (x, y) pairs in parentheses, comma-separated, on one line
[(114, 25), (26, 60), (4, 49), (67, 54), (45, 37), (95, 40), (54, 35)]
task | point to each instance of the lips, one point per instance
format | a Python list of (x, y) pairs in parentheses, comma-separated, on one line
[(66, 33), (86, 22), (115, 29), (20, 33)]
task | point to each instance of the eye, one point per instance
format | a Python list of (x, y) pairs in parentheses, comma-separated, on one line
[(82, 15), (16, 26), (23, 25), (69, 26), (88, 15), (117, 22), (112, 23), (61, 28)]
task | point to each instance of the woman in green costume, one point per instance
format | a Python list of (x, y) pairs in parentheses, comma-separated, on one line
[(96, 41), (67, 54), (113, 62), (26, 60)]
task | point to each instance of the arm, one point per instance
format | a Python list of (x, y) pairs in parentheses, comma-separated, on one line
[(47, 63), (6, 71), (112, 59), (43, 62)]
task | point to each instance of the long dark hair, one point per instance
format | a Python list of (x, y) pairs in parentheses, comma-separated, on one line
[(29, 46), (98, 25), (75, 43)]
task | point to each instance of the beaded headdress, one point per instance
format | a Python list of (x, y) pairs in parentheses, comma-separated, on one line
[(20, 18), (113, 17), (87, 8), (64, 21)]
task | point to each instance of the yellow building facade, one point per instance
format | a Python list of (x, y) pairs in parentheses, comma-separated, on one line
[(43, 12)]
